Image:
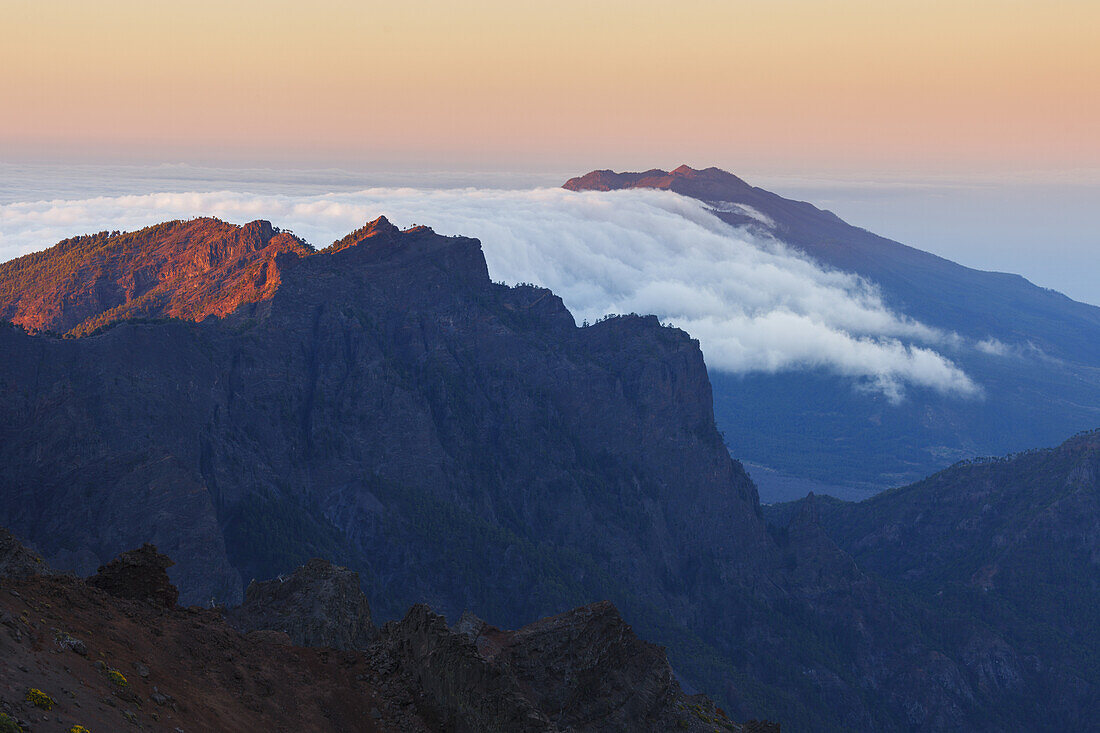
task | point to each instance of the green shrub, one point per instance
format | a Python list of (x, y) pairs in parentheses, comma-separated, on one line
[(7, 725), (115, 676)]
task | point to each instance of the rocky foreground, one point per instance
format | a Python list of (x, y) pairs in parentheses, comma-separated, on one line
[(114, 652)]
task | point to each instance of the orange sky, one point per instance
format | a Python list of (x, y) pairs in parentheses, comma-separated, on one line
[(786, 84)]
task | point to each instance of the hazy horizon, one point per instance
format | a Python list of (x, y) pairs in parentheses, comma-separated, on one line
[(965, 129), (1038, 225), (850, 85)]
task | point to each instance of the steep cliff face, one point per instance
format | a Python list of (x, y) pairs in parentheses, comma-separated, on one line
[(381, 380), (388, 407), (460, 443), (102, 451)]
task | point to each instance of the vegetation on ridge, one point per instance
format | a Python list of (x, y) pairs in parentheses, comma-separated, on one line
[(184, 269)]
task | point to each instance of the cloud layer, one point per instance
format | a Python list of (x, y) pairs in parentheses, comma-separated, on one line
[(753, 304)]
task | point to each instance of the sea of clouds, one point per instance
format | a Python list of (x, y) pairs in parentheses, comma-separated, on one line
[(754, 304)]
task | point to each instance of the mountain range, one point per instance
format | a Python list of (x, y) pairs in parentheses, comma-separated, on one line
[(1014, 541), (248, 403), (1034, 353)]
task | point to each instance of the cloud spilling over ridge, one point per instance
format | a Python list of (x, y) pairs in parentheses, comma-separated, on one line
[(753, 304)]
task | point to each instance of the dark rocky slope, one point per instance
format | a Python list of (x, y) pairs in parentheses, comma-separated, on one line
[(16, 561), (1014, 542), (1040, 380), (319, 604), (112, 663), (110, 653), (588, 671), (464, 444), (387, 395)]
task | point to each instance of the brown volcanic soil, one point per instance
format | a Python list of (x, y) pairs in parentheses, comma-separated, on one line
[(179, 269), (186, 669), (113, 653)]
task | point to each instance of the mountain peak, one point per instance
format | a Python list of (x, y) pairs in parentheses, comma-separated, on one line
[(380, 227), (708, 183), (193, 269), (711, 173), (180, 269)]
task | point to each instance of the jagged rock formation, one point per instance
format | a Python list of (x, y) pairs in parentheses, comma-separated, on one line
[(587, 671), (1034, 352), (318, 605), (583, 670), (462, 443), (462, 690), (136, 661), (139, 575)]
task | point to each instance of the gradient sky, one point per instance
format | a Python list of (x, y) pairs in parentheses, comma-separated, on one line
[(781, 85)]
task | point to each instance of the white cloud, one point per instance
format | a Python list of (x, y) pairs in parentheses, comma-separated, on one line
[(753, 304), (743, 209), (992, 347)]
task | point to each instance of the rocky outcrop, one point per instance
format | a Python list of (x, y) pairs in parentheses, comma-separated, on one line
[(107, 663), (586, 670), (582, 671), (318, 605), (138, 575), (159, 666), (16, 561), (461, 689)]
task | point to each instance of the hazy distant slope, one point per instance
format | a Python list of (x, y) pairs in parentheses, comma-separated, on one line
[(929, 288), (1013, 541), (1035, 352)]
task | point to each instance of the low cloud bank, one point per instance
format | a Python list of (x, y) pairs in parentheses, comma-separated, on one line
[(753, 304)]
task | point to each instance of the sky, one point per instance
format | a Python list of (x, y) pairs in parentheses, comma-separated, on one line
[(966, 128), (783, 85)]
